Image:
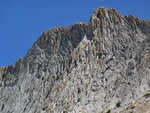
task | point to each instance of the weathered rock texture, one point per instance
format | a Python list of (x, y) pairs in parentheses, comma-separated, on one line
[(99, 67)]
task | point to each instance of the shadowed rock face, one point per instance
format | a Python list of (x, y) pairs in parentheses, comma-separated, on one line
[(102, 66)]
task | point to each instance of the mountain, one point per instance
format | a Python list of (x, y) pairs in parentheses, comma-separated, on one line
[(99, 67)]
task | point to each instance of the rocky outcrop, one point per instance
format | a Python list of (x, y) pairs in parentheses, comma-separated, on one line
[(99, 67)]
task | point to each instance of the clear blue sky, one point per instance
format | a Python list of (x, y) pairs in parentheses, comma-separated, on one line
[(23, 21)]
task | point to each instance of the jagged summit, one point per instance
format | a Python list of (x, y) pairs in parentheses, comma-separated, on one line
[(105, 12), (102, 66)]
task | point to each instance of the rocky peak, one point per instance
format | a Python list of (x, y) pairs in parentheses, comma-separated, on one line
[(103, 15), (102, 66)]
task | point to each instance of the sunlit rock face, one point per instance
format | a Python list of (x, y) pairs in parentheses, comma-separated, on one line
[(99, 67)]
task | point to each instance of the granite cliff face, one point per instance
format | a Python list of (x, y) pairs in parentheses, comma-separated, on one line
[(99, 67)]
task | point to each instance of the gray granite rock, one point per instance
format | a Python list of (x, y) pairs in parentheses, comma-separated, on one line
[(102, 66)]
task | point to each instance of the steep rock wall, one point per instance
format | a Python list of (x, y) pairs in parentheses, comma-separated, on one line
[(102, 66)]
